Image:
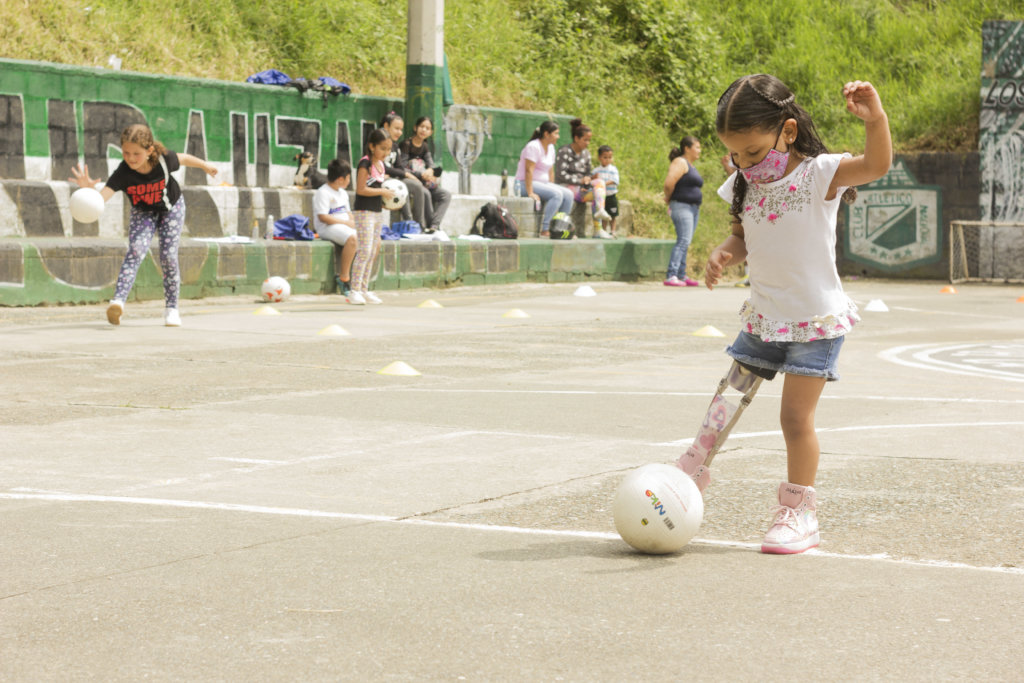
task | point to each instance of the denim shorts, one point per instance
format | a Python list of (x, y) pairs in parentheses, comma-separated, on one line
[(816, 358)]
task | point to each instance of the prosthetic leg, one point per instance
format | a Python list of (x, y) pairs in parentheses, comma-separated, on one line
[(722, 415)]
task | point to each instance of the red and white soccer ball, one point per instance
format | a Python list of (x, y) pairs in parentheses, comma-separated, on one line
[(275, 289), (658, 509)]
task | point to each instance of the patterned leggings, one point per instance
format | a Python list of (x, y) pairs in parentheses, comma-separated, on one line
[(368, 225), (141, 226)]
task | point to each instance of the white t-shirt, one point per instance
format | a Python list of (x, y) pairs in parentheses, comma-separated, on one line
[(543, 161), (790, 233), (327, 200)]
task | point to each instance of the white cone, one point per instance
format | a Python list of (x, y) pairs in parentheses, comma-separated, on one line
[(708, 331), (877, 305), (584, 290), (266, 310), (334, 331), (430, 303), (399, 368)]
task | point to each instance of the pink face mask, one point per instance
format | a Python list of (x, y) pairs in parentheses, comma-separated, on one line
[(769, 169)]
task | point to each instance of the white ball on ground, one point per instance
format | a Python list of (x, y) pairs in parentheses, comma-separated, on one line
[(86, 205), (658, 509), (275, 289)]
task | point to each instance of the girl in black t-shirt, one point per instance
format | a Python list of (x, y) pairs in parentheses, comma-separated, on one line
[(368, 213), (157, 206)]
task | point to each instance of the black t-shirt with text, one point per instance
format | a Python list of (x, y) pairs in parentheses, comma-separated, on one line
[(146, 190)]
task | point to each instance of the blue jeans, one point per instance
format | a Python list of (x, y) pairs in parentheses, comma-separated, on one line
[(816, 358), (684, 218), (555, 197)]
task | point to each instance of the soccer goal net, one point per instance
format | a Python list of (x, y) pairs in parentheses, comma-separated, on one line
[(986, 251)]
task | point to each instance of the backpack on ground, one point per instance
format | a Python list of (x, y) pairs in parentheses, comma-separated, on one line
[(495, 222)]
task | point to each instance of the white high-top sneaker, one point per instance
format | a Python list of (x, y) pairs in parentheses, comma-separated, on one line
[(795, 527)]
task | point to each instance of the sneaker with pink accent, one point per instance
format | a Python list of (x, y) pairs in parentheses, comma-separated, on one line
[(795, 527), (690, 282), (674, 282)]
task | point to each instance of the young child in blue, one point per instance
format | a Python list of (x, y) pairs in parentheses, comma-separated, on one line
[(157, 207), (610, 175), (784, 198)]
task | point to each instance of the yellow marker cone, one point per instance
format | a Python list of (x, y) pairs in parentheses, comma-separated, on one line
[(948, 289), (266, 310), (334, 331), (399, 368), (430, 303), (516, 313), (708, 331)]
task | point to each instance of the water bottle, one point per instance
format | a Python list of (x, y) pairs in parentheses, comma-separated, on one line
[(270, 227), (255, 229), (504, 182)]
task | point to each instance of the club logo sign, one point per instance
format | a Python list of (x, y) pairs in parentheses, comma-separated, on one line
[(894, 222)]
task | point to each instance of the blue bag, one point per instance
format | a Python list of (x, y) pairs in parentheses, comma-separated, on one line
[(269, 77), (406, 228), (386, 233), (332, 85), (293, 227)]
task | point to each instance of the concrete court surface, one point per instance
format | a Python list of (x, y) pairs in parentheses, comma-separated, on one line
[(244, 499)]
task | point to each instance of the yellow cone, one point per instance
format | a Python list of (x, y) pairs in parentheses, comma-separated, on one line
[(399, 368), (334, 331), (708, 331), (430, 303), (516, 313), (948, 289), (266, 310)]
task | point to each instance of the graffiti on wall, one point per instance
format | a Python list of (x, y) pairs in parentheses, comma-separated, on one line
[(1001, 140), (466, 129)]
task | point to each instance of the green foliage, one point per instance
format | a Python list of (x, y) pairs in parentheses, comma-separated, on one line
[(641, 73)]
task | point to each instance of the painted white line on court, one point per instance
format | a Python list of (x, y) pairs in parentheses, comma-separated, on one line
[(694, 394), (252, 461), (30, 494), (922, 355), (858, 428)]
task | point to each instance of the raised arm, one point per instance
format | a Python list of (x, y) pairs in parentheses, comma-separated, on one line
[(862, 101)]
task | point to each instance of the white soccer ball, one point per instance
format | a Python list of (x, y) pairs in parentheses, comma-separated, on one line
[(276, 289), (86, 205), (401, 194), (658, 509)]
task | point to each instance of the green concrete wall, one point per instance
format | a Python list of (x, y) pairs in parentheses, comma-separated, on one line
[(52, 115), (51, 271)]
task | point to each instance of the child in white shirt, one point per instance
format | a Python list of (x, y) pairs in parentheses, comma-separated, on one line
[(332, 217), (610, 175)]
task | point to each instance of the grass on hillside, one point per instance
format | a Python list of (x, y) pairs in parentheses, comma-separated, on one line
[(641, 73)]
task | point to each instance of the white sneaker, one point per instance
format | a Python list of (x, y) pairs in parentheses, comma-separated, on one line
[(603, 234), (372, 298), (795, 527), (603, 215), (114, 311), (172, 318), (355, 298)]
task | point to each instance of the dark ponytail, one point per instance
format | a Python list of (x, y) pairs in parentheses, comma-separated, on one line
[(686, 143), (548, 126)]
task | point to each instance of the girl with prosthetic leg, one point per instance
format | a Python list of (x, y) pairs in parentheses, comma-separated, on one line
[(784, 199)]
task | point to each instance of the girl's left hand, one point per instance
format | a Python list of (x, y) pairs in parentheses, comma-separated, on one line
[(862, 100)]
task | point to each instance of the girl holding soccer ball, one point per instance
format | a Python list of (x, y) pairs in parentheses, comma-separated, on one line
[(157, 207), (369, 215)]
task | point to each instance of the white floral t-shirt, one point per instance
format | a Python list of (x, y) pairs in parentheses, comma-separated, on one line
[(790, 233)]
